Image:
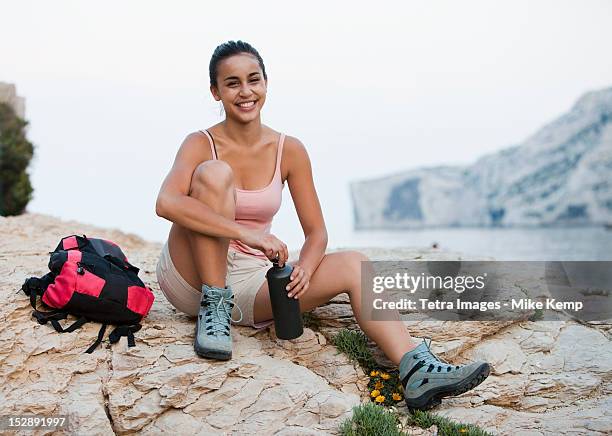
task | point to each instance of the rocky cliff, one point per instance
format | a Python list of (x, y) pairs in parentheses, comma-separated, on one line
[(560, 175), (548, 377), (8, 94)]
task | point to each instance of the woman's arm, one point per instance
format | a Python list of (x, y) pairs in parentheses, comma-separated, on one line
[(304, 194), (174, 203)]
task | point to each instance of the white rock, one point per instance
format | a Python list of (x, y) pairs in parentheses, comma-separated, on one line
[(503, 355)]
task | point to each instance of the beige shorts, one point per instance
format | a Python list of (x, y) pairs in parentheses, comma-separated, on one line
[(245, 275)]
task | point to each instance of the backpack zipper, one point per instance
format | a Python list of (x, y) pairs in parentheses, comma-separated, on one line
[(81, 269)]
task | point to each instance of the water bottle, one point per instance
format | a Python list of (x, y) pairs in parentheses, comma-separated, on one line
[(286, 310)]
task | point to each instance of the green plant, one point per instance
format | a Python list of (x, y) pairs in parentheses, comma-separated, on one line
[(15, 155), (310, 321), (385, 387), (369, 419), (537, 315), (354, 344), (446, 427)]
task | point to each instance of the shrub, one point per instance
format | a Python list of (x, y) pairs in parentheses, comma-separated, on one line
[(354, 344), (446, 427), (15, 155), (369, 419)]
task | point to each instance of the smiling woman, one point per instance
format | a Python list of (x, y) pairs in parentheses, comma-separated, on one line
[(256, 78), (222, 192)]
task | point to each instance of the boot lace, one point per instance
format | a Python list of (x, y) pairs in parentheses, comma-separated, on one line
[(427, 356), (218, 313)]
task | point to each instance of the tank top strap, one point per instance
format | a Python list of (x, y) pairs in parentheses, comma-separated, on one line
[(279, 153), (211, 142)]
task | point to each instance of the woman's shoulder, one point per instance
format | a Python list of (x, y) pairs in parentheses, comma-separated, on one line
[(196, 145), (295, 156), (289, 140), (293, 147), (290, 143), (196, 136)]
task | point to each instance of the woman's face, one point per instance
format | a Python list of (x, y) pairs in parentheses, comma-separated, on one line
[(240, 87)]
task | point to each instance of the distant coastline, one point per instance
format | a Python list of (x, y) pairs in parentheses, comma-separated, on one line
[(561, 176), (566, 243)]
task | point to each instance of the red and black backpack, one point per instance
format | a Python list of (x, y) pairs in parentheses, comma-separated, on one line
[(92, 279)]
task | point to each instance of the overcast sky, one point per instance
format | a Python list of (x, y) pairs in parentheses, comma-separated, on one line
[(370, 88)]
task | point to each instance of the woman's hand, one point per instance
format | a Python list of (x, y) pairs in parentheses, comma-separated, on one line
[(269, 244), (300, 280)]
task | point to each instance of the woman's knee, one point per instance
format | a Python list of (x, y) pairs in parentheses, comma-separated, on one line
[(354, 258), (212, 176), (352, 261)]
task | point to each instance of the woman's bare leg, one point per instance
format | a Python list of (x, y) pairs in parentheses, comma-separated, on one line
[(201, 258), (337, 273)]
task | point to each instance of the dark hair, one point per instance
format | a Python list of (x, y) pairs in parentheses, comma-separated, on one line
[(231, 48)]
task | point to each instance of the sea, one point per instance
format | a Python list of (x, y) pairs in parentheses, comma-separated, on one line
[(544, 244)]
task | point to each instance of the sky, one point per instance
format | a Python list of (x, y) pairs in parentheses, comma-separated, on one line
[(370, 88)]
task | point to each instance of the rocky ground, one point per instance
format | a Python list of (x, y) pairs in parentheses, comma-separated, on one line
[(548, 377)]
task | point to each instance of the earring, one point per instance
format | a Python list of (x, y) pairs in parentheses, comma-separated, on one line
[(220, 109)]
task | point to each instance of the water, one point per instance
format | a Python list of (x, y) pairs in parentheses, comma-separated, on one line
[(570, 243)]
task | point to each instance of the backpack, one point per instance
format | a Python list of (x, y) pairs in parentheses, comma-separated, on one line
[(92, 279)]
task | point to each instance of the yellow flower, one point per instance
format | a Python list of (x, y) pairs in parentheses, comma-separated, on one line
[(396, 396), (378, 385), (375, 393), (380, 399), (463, 430), (373, 373), (385, 376)]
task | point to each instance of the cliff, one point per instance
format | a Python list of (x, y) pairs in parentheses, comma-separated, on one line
[(560, 175), (8, 94)]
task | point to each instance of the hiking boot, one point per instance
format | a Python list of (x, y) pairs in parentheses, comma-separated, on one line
[(427, 379), (213, 338)]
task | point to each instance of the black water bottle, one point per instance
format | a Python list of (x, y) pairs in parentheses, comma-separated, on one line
[(286, 310)]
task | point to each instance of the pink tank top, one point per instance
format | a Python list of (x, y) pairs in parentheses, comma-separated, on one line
[(255, 208)]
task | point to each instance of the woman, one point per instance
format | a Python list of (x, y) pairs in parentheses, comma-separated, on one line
[(221, 199)]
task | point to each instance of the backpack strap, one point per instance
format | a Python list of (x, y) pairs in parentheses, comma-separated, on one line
[(124, 330), (35, 286), (123, 264), (72, 242), (98, 341), (115, 335), (54, 317), (72, 327), (44, 317)]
